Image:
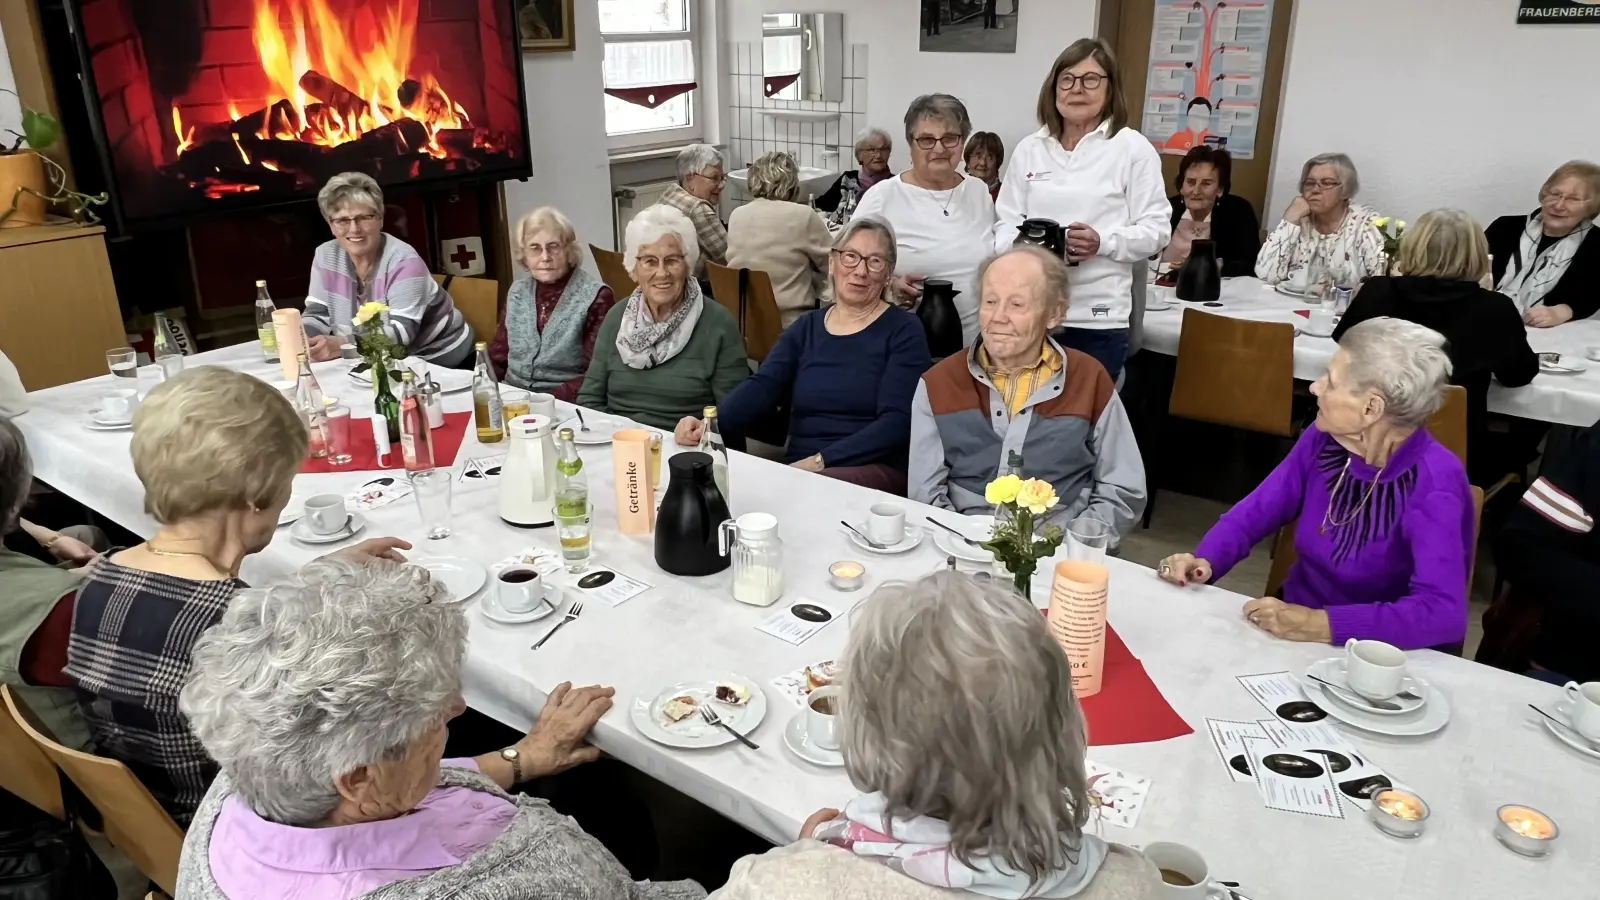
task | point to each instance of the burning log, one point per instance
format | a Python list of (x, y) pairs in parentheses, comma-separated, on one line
[(343, 102), (456, 141)]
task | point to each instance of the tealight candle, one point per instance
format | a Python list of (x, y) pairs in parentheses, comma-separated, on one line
[(847, 575), (1398, 813), (1526, 831)]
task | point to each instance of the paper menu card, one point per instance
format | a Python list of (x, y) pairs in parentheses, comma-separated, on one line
[(795, 622), (1280, 693), (1077, 619), (1353, 773), (1230, 740), (614, 591), (1293, 780), (1115, 795)]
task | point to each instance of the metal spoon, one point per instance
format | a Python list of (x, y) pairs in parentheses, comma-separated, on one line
[(869, 541), (1344, 692), (1565, 727)]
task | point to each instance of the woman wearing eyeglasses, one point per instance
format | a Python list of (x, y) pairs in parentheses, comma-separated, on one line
[(1549, 262), (1101, 180), (943, 219), (1323, 234), (362, 264), (850, 371)]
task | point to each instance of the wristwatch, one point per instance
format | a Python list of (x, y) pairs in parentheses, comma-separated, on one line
[(511, 755)]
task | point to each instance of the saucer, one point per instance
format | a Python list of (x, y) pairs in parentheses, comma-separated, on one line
[(1306, 330), (93, 422), (461, 577), (799, 743), (1430, 718), (601, 428), (974, 527), (292, 511), (1333, 669), (912, 538), (1283, 288), (301, 531), (1157, 304), (1563, 711), (494, 612)]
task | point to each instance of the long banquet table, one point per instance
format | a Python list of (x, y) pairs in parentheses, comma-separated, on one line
[(1192, 642), (1559, 399)]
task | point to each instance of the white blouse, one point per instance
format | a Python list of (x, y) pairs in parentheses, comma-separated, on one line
[(1352, 253)]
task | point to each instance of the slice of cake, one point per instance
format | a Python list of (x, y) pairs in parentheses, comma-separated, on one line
[(678, 708), (821, 674), (732, 694)]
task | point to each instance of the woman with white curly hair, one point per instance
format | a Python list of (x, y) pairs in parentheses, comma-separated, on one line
[(1385, 531), (961, 730), (324, 699), (665, 352)]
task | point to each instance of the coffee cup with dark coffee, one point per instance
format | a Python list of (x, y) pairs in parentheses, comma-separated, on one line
[(822, 717), (520, 589), (1184, 875)]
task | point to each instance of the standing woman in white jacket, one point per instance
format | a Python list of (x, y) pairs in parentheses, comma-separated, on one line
[(1101, 179)]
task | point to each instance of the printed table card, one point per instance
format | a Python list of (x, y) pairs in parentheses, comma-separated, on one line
[(1115, 795), (1228, 738), (1294, 780), (796, 622)]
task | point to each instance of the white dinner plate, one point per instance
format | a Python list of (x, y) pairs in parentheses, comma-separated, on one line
[(1561, 364), (448, 380), (292, 512), (494, 612), (1287, 291), (693, 732), (461, 577), (601, 428), (93, 423), (1563, 711), (912, 538), (301, 531), (1427, 720), (1333, 669), (978, 528), (799, 743)]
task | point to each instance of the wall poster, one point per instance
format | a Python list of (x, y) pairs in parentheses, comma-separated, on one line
[(1208, 66), (1558, 12)]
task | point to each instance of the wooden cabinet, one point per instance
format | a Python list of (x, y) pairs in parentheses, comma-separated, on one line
[(58, 306)]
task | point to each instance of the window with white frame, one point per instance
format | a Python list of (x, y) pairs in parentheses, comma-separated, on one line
[(651, 71)]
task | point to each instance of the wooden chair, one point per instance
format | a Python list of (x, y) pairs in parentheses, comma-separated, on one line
[(24, 768), (613, 272), (748, 294), (134, 822), (1449, 425), (1231, 372), (478, 299)]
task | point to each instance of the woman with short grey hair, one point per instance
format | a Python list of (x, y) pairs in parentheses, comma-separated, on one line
[(697, 195), (1325, 239), (944, 218), (872, 148), (1548, 262), (324, 699), (787, 240), (1386, 523), (363, 264), (961, 731)]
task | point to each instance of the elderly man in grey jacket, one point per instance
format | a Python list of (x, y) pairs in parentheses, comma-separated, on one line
[(1016, 396)]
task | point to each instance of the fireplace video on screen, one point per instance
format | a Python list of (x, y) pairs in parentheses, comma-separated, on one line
[(216, 105)]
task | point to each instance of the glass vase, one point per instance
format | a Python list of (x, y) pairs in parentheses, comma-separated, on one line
[(1008, 518), (385, 404)]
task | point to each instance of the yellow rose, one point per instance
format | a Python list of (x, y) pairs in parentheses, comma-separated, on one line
[(1400, 226), (367, 311), (1380, 222), (1003, 489), (1037, 496)]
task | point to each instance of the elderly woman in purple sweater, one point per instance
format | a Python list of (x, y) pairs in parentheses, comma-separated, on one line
[(1385, 519)]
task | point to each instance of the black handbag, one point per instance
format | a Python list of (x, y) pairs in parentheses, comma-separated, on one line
[(44, 858)]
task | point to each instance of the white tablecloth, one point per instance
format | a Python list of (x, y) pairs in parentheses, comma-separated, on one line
[(1561, 399), (1192, 642)]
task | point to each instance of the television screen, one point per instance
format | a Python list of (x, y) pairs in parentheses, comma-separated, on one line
[(217, 105)]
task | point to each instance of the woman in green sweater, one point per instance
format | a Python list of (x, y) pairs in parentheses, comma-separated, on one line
[(666, 352)]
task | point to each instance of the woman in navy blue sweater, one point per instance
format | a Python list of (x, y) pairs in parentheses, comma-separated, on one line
[(847, 371)]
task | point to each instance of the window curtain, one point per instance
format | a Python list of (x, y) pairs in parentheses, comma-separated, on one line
[(649, 73)]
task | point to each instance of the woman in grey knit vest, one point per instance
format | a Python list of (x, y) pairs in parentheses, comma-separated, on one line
[(324, 700)]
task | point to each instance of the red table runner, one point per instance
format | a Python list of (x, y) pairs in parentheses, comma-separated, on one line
[(1129, 708), (447, 440)]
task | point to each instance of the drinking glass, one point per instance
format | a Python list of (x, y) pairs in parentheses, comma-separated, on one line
[(576, 543), (347, 347), (150, 377), (1088, 539), (124, 362), (341, 446), (432, 490), (514, 402), (657, 441)]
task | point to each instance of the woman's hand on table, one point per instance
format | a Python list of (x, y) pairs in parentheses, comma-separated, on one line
[(812, 463), (556, 741), (1083, 242), (1184, 568), (688, 432), (809, 829), (375, 548), (905, 290), (1547, 316), (1289, 621), (323, 347)]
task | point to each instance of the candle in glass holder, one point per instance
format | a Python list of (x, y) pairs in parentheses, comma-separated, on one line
[(1398, 813), (847, 575), (1525, 830)]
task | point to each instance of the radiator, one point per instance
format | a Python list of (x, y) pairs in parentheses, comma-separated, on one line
[(629, 199)]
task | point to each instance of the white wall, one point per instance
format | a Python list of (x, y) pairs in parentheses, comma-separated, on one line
[(1439, 102), (568, 130), (999, 89), (10, 111)]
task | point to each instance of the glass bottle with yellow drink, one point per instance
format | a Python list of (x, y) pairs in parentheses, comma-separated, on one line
[(488, 416)]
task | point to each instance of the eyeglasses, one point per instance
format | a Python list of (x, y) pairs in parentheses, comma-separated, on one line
[(536, 250), (873, 150), (344, 223), (718, 178), (1091, 81), (1309, 185), (851, 259), (652, 263), (1557, 197), (948, 141)]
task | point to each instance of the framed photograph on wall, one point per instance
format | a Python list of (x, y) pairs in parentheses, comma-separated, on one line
[(545, 25)]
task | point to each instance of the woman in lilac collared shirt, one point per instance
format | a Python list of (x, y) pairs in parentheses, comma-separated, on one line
[(1385, 535), (324, 700)]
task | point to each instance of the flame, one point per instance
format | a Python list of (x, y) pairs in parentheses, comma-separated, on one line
[(185, 139), (269, 164), (242, 155)]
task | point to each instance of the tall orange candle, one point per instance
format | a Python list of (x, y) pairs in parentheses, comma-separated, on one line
[(1077, 618)]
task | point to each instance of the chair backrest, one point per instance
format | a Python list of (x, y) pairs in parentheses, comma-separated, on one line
[(1449, 425), (1235, 372), (24, 768), (1141, 279), (134, 822), (760, 323), (613, 272), (478, 299)]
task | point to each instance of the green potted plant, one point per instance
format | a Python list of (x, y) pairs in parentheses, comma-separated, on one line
[(30, 182)]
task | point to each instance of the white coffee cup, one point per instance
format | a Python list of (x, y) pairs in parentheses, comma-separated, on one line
[(1375, 670), (1585, 715), (822, 728), (520, 589), (1297, 281), (542, 405), (1320, 322), (326, 514), (1177, 862), (119, 405), (886, 523)]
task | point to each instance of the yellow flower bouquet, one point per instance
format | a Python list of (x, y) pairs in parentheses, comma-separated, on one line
[(372, 342), (1391, 242), (1019, 504)]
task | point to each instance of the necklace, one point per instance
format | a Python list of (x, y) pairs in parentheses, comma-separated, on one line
[(159, 552), (1328, 519), (948, 199)]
